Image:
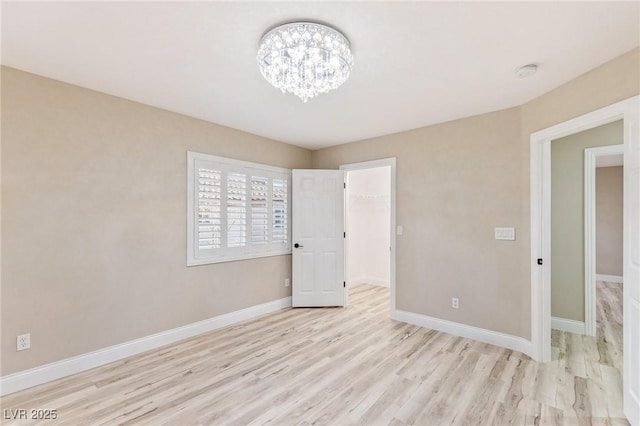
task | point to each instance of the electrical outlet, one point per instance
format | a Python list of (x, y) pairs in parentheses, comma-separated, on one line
[(455, 303), (287, 282), (23, 342)]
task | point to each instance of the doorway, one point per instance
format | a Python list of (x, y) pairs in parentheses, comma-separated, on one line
[(628, 111), (573, 227), (603, 235), (370, 226)]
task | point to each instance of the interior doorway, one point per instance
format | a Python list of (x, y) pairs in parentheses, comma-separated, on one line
[(604, 202), (573, 224), (370, 226), (603, 208), (628, 111)]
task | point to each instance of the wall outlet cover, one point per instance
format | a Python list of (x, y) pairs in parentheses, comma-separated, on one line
[(23, 342)]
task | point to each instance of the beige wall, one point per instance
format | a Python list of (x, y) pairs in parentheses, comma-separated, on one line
[(496, 293), (609, 196), (456, 182), (94, 221), (567, 217)]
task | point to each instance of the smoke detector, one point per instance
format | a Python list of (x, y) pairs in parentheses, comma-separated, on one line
[(526, 70)]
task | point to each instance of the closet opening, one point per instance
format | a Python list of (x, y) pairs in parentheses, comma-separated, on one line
[(369, 240)]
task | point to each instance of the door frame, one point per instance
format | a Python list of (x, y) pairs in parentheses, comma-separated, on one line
[(391, 163), (590, 158), (540, 181)]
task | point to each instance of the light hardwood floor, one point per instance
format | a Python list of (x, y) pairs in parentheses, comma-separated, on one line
[(347, 366)]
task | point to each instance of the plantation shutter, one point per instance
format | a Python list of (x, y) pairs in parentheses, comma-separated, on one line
[(280, 205), (209, 236), (236, 210), (260, 195)]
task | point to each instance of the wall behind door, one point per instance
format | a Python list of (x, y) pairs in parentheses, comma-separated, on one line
[(368, 221), (609, 189)]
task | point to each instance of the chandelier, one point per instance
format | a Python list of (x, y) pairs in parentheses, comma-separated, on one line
[(305, 58)]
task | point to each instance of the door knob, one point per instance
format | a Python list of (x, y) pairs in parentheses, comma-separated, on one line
[(296, 245)]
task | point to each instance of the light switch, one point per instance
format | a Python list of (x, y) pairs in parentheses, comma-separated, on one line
[(508, 234), (399, 230)]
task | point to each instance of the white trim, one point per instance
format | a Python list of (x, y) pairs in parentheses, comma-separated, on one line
[(571, 326), (380, 282), (610, 278), (540, 212), (384, 162), (540, 183), (480, 334), (56, 370), (591, 156)]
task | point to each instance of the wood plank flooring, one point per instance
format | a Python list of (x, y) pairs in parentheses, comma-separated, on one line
[(347, 366)]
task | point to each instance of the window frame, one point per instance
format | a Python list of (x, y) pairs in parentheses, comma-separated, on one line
[(250, 250)]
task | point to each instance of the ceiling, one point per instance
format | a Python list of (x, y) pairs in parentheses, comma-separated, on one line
[(416, 63)]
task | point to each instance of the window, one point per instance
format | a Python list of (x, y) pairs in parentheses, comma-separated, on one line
[(235, 210)]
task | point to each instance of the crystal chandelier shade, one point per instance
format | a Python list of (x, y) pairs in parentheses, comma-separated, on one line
[(305, 59)]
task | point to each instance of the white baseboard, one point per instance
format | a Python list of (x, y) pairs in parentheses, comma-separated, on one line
[(572, 326), (609, 278), (354, 282), (56, 370), (483, 335), (380, 282)]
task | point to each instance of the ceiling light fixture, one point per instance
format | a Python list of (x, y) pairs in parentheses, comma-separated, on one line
[(526, 70), (305, 58)]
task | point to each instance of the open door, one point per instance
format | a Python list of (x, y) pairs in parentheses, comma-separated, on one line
[(317, 218), (631, 270)]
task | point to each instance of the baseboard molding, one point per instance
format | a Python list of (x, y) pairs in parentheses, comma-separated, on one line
[(480, 334), (609, 278), (571, 326), (369, 280), (56, 370)]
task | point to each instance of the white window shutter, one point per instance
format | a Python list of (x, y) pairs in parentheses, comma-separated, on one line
[(260, 210), (236, 210), (209, 207), (280, 201)]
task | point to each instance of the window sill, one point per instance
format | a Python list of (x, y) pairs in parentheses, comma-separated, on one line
[(198, 262)]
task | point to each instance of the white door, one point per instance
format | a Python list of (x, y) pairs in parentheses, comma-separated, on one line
[(317, 218), (631, 271)]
